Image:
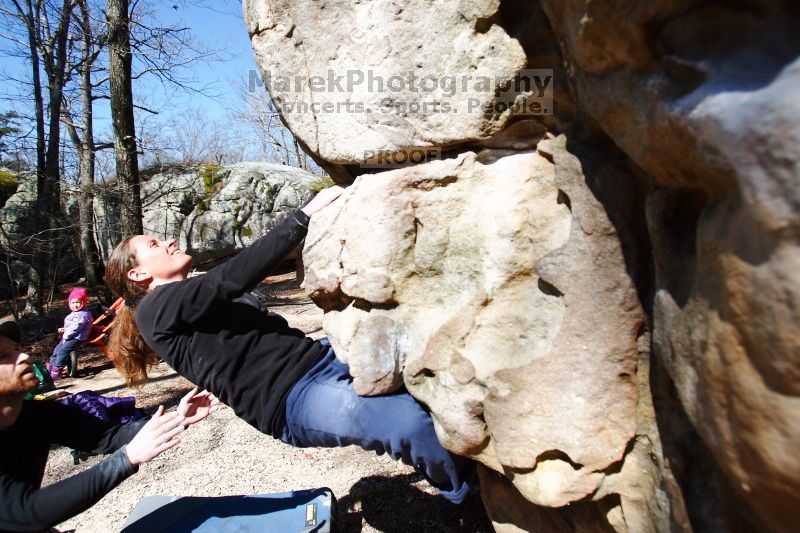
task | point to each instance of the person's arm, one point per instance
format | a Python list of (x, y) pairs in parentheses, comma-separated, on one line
[(248, 268), (84, 432), (27, 508), (185, 302), (80, 430), (72, 327)]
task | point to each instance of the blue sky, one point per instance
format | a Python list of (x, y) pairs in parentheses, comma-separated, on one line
[(220, 27)]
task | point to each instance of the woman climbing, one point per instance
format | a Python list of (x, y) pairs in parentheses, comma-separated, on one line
[(274, 377)]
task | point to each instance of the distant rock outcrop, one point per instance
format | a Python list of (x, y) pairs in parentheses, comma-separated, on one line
[(214, 211), (16, 231)]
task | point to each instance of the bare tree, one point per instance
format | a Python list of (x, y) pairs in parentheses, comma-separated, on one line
[(82, 137), (120, 76), (46, 49), (192, 138), (272, 138), (68, 71), (159, 51), (154, 50)]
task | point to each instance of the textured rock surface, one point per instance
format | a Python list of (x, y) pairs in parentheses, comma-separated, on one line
[(676, 196), (16, 216), (215, 216), (509, 307), (378, 40), (16, 227), (511, 513), (18, 239), (716, 122)]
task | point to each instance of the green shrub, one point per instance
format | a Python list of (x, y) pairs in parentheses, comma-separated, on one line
[(323, 183), (212, 177), (8, 185)]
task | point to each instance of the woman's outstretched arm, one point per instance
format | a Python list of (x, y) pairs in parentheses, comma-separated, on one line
[(184, 302)]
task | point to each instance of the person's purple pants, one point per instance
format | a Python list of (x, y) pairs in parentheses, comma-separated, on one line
[(323, 410)]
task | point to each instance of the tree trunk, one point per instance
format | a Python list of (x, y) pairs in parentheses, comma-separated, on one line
[(53, 50), (31, 22), (92, 262), (33, 304), (33, 301), (48, 197), (119, 71)]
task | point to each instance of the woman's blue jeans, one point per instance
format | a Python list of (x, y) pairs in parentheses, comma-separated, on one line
[(322, 410)]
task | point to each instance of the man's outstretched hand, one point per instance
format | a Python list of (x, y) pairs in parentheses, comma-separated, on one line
[(161, 432), (195, 406), (158, 435)]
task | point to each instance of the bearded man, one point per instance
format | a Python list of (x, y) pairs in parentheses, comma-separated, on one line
[(29, 428)]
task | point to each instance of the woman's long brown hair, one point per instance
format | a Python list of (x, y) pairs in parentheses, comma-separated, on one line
[(126, 347)]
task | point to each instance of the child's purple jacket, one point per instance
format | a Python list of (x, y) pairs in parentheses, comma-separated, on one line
[(77, 325)]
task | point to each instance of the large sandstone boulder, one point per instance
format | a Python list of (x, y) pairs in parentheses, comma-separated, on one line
[(711, 113), (676, 200), (358, 81), (495, 285)]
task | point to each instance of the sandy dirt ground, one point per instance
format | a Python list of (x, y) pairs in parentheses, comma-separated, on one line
[(223, 455)]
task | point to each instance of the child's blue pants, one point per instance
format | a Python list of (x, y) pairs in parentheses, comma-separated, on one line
[(61, 352)]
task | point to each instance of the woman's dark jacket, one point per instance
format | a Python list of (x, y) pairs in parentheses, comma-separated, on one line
[(248, 359)]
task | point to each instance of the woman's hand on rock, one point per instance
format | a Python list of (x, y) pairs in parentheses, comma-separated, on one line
[(324, 198), (158, 435)]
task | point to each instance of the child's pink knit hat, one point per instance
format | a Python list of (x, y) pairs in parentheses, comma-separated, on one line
[(79, 293)]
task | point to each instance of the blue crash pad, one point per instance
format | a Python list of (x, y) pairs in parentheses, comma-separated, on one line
[(302, 511)]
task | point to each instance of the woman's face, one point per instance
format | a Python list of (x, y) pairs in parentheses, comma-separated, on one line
[(157, 260)]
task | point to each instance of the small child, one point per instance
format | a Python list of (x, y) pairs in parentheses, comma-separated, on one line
[(76, 329)]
